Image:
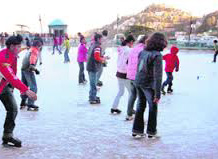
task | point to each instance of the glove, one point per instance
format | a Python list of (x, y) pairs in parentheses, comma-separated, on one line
[(31, 68), (37, 72)]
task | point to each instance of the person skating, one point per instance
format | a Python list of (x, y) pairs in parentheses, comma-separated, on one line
[(148, 84), (131, 73), (9, 81), (67, 49), (216, 50), (55, 45), (37, 37), (123, 82), (172, 62), (81, 58), (95, 60), (28, 71), (103, 46)]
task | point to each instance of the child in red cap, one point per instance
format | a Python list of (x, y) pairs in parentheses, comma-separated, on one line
[(171, 62)]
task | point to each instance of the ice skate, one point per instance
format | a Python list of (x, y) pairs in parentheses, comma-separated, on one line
[(169, 90), (163, 91), (23, 104), (153, 136), (32, 108), (117, 111), (97, 101), (129, 118), (138, 135), (100, 84), (11, 141)]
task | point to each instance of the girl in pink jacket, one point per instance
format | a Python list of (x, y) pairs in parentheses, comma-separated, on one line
[(131, 73), (123, 82), (81, 58)]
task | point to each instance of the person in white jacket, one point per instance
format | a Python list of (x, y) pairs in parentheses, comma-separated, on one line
[(123, 82)]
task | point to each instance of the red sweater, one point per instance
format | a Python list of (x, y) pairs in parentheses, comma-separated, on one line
[(8, 71)]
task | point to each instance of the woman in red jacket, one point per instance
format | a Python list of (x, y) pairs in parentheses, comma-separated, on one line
[(8, 81), (172, 62)]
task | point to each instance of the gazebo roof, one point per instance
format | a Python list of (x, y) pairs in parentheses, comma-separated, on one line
[(57, 22)]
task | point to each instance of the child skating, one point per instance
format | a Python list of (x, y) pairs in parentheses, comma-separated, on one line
[(172, 62), (28, 72)]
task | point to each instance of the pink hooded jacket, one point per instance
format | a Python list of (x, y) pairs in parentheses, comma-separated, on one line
[(133, 61), (123, 53)]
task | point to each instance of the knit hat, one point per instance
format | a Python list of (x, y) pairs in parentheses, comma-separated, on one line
[(174, 50)]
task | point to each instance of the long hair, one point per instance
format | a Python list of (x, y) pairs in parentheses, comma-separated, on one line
[(156, 42)]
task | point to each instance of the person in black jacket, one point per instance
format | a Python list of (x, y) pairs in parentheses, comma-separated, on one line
[(148, 83), (95, 60)]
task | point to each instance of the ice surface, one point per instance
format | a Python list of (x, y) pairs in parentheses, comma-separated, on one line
[(68, 127)]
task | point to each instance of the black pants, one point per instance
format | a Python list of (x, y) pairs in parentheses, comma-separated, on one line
[(215, 55), (8, 100), (81, 72), (145, 95)]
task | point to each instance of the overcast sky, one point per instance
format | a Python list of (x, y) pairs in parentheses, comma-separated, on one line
[(81, 15)]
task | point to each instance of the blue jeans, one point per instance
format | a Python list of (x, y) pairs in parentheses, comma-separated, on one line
[(28, 78), (81, 72), (66, 56), (56, 47), (93, 83), (169, 80), (145, 95), (132, 98)]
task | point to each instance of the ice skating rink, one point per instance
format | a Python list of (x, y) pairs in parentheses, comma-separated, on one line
[(68, 127)]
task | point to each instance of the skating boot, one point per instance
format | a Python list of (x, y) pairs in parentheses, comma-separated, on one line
[(129, 118), (23, 104), (11, 141), (97, 101), (138, 135), (169, 90), (32, 108), (115, 111), (100, 83), (153, 136), (163, 91)]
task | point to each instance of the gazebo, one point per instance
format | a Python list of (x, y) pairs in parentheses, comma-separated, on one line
[(57, 27)]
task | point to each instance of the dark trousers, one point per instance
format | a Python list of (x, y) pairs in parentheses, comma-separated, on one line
[(169, 80), (215, 55), (145, 95), (28, 78), (132, 98), (8, 100), (81, 72)]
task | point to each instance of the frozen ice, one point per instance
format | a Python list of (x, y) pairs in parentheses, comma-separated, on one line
[(67, 126)]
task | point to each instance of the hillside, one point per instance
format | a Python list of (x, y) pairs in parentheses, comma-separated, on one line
[(158, 17), (209, 22)]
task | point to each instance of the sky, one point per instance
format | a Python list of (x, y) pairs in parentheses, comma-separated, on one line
[(82, 15)]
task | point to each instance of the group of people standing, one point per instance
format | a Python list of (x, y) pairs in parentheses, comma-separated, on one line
[(139, 70)]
